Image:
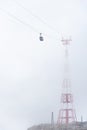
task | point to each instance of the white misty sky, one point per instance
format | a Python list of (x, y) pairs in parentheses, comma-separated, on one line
[(31, 72)]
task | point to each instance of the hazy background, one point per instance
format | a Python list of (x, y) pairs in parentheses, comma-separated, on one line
[(31, 72)]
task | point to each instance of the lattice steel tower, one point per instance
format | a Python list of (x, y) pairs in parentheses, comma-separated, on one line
[(66, 113)]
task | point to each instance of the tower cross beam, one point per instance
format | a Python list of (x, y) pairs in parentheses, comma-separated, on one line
[(66, 41)]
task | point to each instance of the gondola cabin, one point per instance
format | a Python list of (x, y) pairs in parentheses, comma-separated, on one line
[(41, 37)]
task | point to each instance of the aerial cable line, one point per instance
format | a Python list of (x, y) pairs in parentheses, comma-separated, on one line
[(19, 20), (26, 24), (36, 16)]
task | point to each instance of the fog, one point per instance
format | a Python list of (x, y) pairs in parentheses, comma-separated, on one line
[(31, 72)]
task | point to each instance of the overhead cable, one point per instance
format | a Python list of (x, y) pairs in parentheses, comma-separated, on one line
[(19, 20), (36, 16), (26, 24)]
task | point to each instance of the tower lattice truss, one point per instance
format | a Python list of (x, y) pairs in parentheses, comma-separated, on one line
[(67, 112)]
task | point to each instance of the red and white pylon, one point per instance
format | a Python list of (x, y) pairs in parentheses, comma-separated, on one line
[(66, 113)]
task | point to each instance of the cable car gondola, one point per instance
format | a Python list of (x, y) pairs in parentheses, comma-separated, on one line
[(41, 37)]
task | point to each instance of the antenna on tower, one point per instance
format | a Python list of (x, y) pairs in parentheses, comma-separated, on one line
[(52, 121), (81, 121)]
